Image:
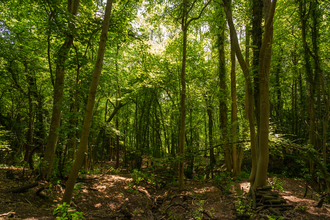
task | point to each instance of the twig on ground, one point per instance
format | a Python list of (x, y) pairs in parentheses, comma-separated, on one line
[(11, 213)]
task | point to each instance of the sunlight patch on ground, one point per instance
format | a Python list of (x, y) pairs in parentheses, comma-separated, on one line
[(101, 188), (205, 189), (292, 198), (119, 178), (98, 205), (317, 211), (245, 186)]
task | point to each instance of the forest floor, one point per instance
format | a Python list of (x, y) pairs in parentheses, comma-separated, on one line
[(116, 196)]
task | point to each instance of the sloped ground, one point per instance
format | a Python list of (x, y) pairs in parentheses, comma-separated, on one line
[(115, 197)]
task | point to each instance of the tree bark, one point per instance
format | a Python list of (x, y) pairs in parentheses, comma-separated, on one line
[(89, 109), (223, 93), (236, 168), (259, 156), (257, 6), (264, 68), (47, 163), (30, 113), (249, 90)]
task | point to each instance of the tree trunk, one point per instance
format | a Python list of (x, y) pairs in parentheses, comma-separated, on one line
[(264, 68), (47, 163), (89, 109), (257, 6), (260, 161), (30, 113), (212, 159), (249, 89), (236, 169), (117, 104), (310, 79), (183, 96), (223, 91)]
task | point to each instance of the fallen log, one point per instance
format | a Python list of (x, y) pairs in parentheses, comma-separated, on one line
[(22, 188)]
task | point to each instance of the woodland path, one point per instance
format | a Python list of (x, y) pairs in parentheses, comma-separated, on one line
[(111, 196)]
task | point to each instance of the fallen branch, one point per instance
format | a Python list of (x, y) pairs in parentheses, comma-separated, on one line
[(9, 214), (22, 188)]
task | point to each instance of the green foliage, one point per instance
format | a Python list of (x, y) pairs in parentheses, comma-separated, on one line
[(77, 191), (4, 144), (130, 187), (273, 217), (301, 208), (63, 212), (225, 182), (277, 184), (240, 207), (198, 214), (200, 178), (138, 176), (112, 170), (83, 173), (244, 207)]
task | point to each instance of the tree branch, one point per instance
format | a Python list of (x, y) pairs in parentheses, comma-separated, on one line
[(200, 14), (191, 7)]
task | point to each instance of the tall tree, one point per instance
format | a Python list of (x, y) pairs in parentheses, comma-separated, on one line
[(260, 155), (89, 108), (62, 54), (185, 22)]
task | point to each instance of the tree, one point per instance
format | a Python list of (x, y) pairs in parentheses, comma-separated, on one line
[(185, 22), (89, 108), (62, 54), (259, 156)]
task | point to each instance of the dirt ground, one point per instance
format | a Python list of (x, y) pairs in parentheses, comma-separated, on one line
[(115, 196)]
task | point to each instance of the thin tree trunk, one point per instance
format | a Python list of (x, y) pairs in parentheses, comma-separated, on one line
[(30, 113), (89, 109), (249, 92), (47, 163), (234, 112), (223, 93), (117, 104), (310, 79), (183, 96), (212, 159)]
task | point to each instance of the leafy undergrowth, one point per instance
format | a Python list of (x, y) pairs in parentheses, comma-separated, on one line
[(133, 196)]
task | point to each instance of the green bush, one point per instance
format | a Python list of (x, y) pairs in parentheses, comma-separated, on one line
[(63, 212)]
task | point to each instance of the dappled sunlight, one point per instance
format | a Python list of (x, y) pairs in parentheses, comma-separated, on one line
[(98, 205), (245, 186), (205, 189), (120, 178), (289, 196)]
